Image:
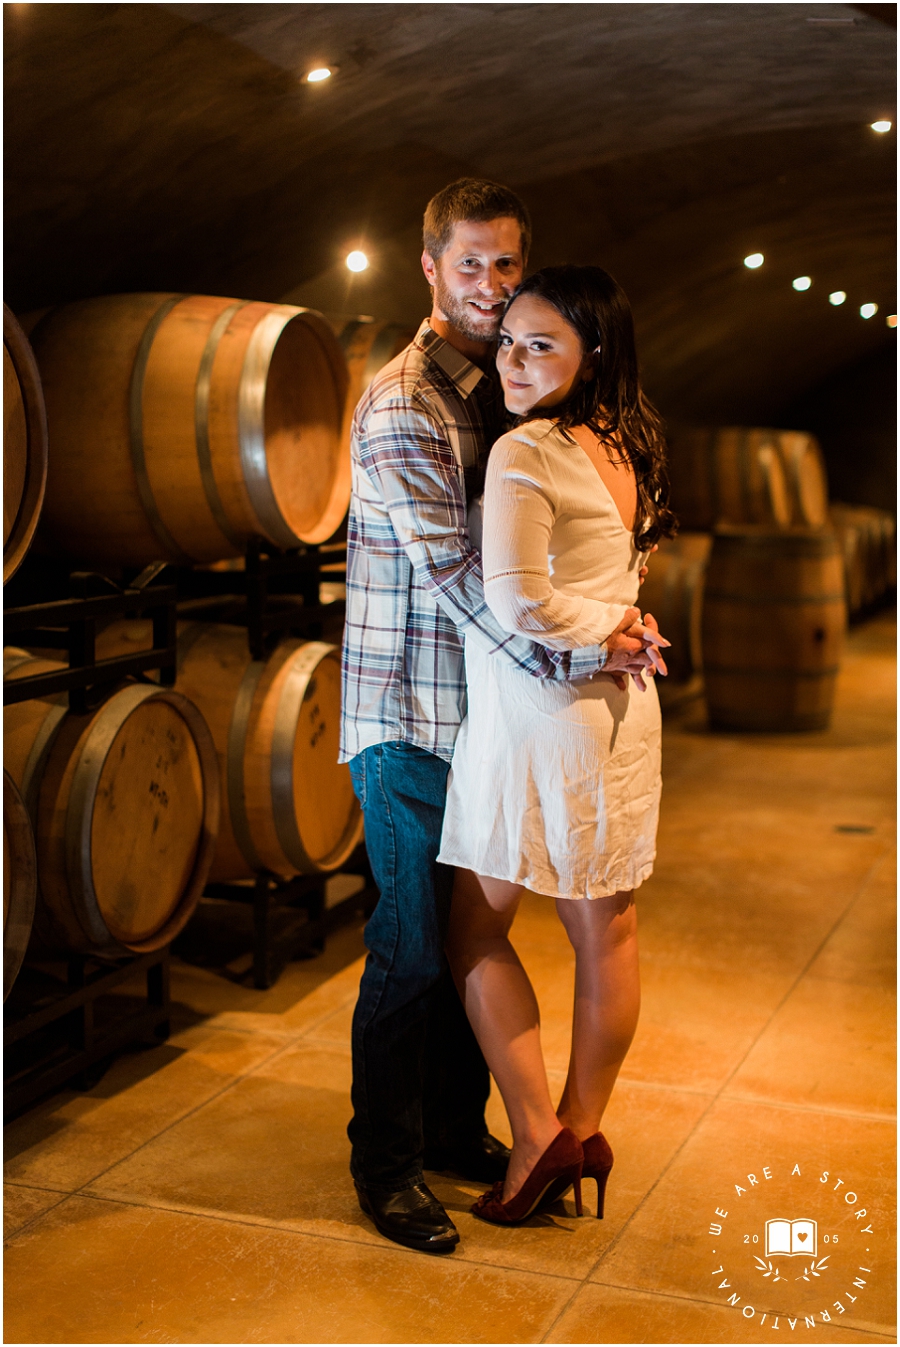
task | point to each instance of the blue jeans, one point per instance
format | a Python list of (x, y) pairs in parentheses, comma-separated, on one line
[(419, 1078)]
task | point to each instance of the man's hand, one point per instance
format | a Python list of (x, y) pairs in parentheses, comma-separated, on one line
[(633, 648)]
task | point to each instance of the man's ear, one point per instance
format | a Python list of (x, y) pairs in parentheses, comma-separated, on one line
[(429, 266)]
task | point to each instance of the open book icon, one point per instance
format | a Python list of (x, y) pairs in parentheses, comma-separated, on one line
[(790, 1237)]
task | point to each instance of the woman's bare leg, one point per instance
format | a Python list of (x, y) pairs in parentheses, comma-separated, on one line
[(503, 1012), (603, 932)]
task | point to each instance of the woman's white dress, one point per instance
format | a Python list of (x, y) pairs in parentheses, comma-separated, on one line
[(554, 785)]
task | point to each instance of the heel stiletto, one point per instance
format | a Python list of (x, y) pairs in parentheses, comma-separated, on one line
[(598, 1161), (560, 1163)]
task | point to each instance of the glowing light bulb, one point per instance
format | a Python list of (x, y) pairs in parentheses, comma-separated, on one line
[(357, 261), (316, 76), (754, 260), (837, 297), (891, 320), (801, 282), (881, 127), (868, 310)]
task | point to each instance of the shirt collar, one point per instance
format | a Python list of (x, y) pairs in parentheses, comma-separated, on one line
[(463, 372)]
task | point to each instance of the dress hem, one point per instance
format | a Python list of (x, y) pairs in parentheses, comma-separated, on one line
[(534, 886)]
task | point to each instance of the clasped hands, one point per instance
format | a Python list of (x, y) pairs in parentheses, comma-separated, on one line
[(633, 649)]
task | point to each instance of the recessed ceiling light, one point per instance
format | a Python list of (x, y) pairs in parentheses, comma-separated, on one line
[(891, 320), (801, 282), (837, 296), (754, 260), (357, 261), (322, 72), (881, 127), (868, 310)]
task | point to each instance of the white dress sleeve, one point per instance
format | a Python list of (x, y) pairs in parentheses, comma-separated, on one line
[(520, 509)]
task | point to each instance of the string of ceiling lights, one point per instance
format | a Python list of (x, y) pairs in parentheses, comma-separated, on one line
[(837, 297), (357, 261)]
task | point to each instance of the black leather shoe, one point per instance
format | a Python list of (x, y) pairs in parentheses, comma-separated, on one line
[(485, 1159), (412, 1217)]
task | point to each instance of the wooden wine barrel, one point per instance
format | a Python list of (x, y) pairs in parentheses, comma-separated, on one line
[(673, 593), (19, 882), (773, 626), (125, 804), (368, 346), (24, 445), (807, 479), (288, 804), (868, 540), (728, 475), (852, 543), (183, 425)]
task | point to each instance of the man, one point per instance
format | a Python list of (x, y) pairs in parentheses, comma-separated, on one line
[(414, 592)]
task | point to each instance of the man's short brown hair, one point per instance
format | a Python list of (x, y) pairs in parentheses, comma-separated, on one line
[(473, 199)]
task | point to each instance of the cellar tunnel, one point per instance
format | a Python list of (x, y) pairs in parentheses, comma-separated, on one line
[(178, 147)]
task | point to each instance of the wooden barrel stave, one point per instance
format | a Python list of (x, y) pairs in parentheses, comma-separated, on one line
[(750, 480), (24, 445), (19, 882), (125, 801), (184, 425), (91, 394), (773, 624), (200, 496), (288, 805), (806, 477)]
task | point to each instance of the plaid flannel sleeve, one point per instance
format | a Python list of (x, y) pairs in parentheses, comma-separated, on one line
[(405, 452)]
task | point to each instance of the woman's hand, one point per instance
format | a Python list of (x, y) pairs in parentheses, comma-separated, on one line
[(633, 648)]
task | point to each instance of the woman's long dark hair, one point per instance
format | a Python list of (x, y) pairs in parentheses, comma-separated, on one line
[(612, 403)]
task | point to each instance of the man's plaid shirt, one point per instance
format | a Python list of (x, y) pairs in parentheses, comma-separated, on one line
[(414, 582)]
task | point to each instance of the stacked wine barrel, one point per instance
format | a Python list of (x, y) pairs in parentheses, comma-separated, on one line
[(24, 445), (124, 803), (739, 475), (288, 807), (178, 428), (182, 426), (19, 881), (868, 543), (775, 595)]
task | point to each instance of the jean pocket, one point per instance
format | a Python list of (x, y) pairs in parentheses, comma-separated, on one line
[(357, 767)]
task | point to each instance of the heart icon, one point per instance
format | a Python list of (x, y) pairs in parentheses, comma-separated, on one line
[(801, 1235)]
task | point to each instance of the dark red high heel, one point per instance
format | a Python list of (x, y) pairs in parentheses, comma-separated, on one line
[(560, 1163), (598, 1161)]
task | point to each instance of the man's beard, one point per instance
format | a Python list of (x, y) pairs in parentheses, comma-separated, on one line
[(457, 311)]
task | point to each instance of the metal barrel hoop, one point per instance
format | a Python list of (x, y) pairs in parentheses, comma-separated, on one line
[(201, 423)]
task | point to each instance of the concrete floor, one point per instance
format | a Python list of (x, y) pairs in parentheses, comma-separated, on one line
[(199, 1193)]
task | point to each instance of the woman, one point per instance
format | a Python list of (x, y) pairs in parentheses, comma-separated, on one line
[(555, 786)]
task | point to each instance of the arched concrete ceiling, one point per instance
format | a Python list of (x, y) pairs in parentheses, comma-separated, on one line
[(178, 147)]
